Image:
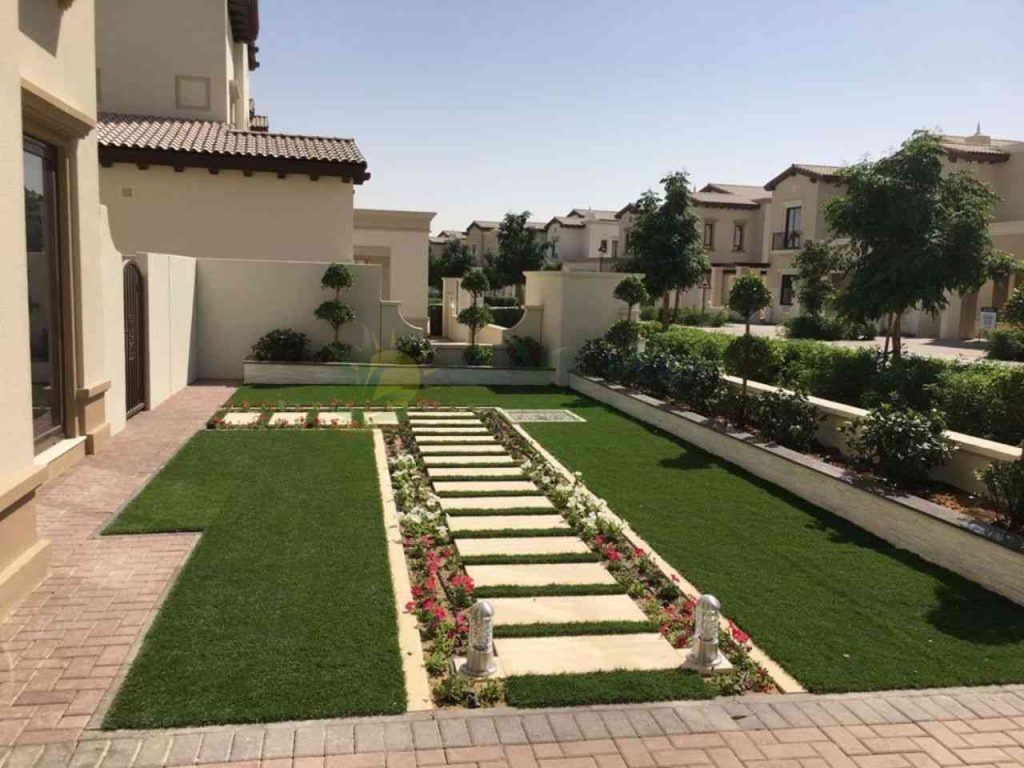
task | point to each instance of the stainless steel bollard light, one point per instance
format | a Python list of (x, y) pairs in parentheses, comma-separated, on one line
[(704, 653), (480, 657)]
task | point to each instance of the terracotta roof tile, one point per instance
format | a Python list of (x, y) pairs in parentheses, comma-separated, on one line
[(723, 200), (204, 137)]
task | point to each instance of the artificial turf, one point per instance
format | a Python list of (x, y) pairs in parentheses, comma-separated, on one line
[(285, 609), (567, 557), (549, 590), (604, 688), (574, 629), (841, 609)]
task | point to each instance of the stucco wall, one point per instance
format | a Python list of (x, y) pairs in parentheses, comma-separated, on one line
[(228, 215), (170, 283), (402, 238), (237, 301), (142, 45)]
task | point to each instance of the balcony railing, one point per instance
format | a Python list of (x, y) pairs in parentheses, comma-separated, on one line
[(785, 241)]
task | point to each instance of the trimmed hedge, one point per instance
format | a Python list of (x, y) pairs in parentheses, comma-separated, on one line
[(982, 399), (507, 317)]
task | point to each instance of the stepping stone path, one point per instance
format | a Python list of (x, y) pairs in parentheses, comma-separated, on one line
[(241, 418), (290, 418), (482, 489)]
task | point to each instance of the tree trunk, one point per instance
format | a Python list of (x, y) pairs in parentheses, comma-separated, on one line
[(675, 307), (664, 309), (897, 347), (888, 335)]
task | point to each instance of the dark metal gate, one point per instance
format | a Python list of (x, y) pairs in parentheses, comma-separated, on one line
[(134, 339)]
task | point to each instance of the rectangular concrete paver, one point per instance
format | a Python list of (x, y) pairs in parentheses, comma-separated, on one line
[(471, 460), (539, 575), (334, 418), (496, 502), (536, 545), (441, 415), (453, 473), (289, 418), (380, 418), (456, 440), (241, 418), (557, 655), (469, 429), (561, 610), (463, 449), (471, 487), (507, 522)]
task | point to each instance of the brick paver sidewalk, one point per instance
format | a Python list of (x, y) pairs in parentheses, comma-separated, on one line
[(64, 646), (64, 650)]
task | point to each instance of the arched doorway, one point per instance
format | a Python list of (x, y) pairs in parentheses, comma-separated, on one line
[(134, 339)]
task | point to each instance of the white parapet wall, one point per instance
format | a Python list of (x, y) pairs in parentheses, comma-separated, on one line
[(384, 374), (971, 453), (983, 553)]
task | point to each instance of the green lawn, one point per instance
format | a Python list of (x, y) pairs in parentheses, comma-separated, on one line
[(841, 609), (285, 610)]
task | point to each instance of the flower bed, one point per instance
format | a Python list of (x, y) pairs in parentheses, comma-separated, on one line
[(442, 590)]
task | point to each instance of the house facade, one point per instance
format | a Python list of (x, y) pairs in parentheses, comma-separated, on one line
[(585, 239), (179, 136), (761, 229), (482, 236), (61, 382)]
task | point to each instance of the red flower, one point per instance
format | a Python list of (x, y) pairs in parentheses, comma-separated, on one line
[(738, 634)]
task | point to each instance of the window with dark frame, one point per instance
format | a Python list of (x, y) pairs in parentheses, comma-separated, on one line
[(786, 291), (45, 292), (737, 237), (709, 235)]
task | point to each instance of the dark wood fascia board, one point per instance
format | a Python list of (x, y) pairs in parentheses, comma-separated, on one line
[(354, 173), (976, 157), (746, 206)]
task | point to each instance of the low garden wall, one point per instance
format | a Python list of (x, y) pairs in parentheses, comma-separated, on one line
[(983, 553), (971, 454), (258, 372)]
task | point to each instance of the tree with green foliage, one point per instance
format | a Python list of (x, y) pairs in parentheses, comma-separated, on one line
[(816, 263), (1013, 309), (631, 290), (334, 311), (520, 249), (915, 234), (747, 296), (455, 260), (477, 315), (665, 243)]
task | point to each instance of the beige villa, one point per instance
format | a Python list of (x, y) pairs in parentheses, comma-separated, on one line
[(482, 236), (154, 228), (760, 229), (585, 239)]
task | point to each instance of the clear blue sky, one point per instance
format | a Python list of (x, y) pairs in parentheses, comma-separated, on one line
[(475, 109)]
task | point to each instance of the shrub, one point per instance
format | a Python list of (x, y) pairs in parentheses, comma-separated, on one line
[(525, 352), (753, 357), (699, 384), (899, 443), (631, 290), (694, 316), (651, 372), (506, 317), (282, 345), (649, 313), (749, 295), (1005, 344), (689, 342), (417, 348), (834, 373), (826, 328), (334, 352), (623, 335), (1004, 483), (983, 400), (501, 301), (594, 358), (1013, 309), (477, 355), (786, 418), (475, 317), (909, 380)]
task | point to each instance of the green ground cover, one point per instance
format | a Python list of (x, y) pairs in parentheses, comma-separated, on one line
[(841, 609), (604, 688), (285, 609)]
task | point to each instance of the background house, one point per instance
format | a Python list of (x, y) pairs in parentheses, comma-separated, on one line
[(585, 239), (482, 236)]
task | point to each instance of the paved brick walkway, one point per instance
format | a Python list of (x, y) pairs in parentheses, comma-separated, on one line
[(64, 650), (64, 646)]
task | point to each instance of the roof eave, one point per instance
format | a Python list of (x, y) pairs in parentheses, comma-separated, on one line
[(355, 173)]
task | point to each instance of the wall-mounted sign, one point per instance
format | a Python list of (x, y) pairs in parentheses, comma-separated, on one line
[(989, 317)]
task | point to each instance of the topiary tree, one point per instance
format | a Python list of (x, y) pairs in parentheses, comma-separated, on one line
[(334, 311), (748, 295), (475, 316), (632, 291)]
